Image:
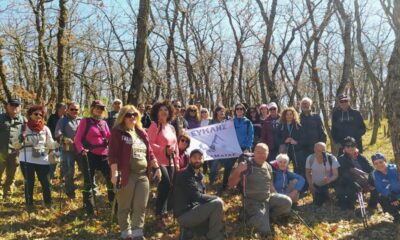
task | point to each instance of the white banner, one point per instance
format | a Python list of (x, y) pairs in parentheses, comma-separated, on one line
[(216, 141)]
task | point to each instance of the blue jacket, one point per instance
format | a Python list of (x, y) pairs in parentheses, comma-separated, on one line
[(244, 132), (282, 179), (388, 185)]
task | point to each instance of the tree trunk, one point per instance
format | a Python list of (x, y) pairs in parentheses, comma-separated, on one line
[(61, 43), (136, 90)]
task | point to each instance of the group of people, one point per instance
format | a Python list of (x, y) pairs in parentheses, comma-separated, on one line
[(133, 146)]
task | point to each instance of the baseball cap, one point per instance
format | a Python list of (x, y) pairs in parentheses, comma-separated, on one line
[(97, 103), (14, 101), (378, 156), (196, 151)]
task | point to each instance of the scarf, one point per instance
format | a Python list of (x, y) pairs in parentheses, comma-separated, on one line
[(36, 126)]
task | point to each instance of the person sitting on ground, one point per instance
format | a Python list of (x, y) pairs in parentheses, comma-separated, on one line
[(321, 173), (259, 192), (347, 188), (387, 183), (192, 207), (183, 145), (286, 182)]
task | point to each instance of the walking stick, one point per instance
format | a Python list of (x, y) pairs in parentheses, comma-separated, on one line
[(364, 215), (116, 190), (27, 197), (93, 195), (60, 177), (305, 224)]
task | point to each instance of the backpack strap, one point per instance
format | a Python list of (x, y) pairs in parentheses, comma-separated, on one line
[(64, 124)]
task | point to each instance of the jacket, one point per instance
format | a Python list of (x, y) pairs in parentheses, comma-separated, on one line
[(387, 185), (293, 131), (9, 132), (52, 123), (98, 133), (192, 122), (189, 191), (120, 151), (349, 123), (159, 138), (313, 129), (346, 163), (146, 120), (244, 132), (180, 124), (282, 179)]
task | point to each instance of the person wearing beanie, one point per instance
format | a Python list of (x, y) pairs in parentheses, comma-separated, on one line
[(387, 183)]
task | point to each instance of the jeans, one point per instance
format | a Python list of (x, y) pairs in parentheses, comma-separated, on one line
[(42, 173)]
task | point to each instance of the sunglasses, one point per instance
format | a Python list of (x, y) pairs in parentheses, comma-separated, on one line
[(38, 114), (131, 114), (193, 110), (239, 109), (343, 101), (100, 108), (203, 112), (74, 110), (14, 105), (184, 140), (350, 145), (176, 106)]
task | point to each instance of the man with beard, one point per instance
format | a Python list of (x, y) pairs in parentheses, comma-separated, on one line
[(192, 207)]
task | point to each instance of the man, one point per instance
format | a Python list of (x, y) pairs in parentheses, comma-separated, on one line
[(192, 207), (180, 124), (347, 121), (387, 183), (146, 121), (112, 116), (312, 126), (259, 193), (269, 131), (65, 134), (346, 187), (10, 127), (321, 173)]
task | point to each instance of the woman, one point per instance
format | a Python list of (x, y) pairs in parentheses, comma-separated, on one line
[(91, 142), (264, 113), (192, 116), (34, 157), (205, 117), (290, 139), (163, 141), (131, 160), (183, 145), (218, 117), (254, 117)]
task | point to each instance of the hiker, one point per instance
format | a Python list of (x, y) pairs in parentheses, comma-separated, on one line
[(91, 142), (269, 131), (10, 126), (245, 134), (387, 183), (113, 114), (34, 145), (193, 208), (321, 173), (65, 134), (164, 143), (285, 181), (264, 113), (145, 119), (347, 121), (179, 122), (192, 117), (313, 129), (131, 158), (59, 113), (261, 199), (346, 187), (291, 139), (205, 117), (253, 115), (183, 145)]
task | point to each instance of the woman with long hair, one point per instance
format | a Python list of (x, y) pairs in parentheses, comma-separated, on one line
[(131, 160), (91, 142), (183, 145), (253, 115), (192, 116), (162, 137)]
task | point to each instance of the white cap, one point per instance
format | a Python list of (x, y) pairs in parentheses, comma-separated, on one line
[(117, 100), (272, 104)]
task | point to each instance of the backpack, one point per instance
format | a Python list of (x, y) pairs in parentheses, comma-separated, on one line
[(85, 143), (326, 158), (361, 178)]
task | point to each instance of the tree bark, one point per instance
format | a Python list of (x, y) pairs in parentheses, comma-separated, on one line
[(61, 43)]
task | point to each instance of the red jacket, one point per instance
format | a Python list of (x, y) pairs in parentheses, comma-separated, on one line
[(120, 151)]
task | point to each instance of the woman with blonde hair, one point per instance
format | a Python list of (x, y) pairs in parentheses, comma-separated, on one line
[(290, 139), (193, 117), (91, 142), (131, 159)]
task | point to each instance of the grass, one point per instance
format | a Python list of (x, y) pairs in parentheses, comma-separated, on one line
[(70, 222)]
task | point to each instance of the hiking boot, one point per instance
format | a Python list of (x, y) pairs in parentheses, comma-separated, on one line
[(185, 234)]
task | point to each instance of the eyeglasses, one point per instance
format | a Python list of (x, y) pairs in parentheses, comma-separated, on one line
[(343, 101), (131, 114), (176, 106), (100, 108), (350, 145), (203, 112), (184, 140), (38, 114), (193, 110), (272, 109), (239, 109), (74, 110)]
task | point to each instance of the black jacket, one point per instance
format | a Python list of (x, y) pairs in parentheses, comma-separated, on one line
[(146, 120), (189, 191), (313, 129), (346, 163), (349, 123), (296, 132)]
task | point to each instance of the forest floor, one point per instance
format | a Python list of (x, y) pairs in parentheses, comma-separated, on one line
[(67, 219)]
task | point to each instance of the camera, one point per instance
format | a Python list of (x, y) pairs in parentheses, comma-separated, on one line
[(248, 159)]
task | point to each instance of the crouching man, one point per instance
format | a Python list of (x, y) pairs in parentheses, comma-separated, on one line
[(261, 199), (192, 207)]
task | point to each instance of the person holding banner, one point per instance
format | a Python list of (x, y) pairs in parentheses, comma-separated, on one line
[(163, 141)]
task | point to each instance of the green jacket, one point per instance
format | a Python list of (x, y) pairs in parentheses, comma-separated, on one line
[(9, 131)]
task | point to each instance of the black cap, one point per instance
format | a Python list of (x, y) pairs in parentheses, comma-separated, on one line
[(349, 141), (343, 97), (195, 151), (14, 101)]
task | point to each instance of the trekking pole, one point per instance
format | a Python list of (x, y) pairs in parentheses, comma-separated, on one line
[(27, 197), (114, 203), (60, 177), (362, 209), (305, 224), (244, 196), (93, 197)]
